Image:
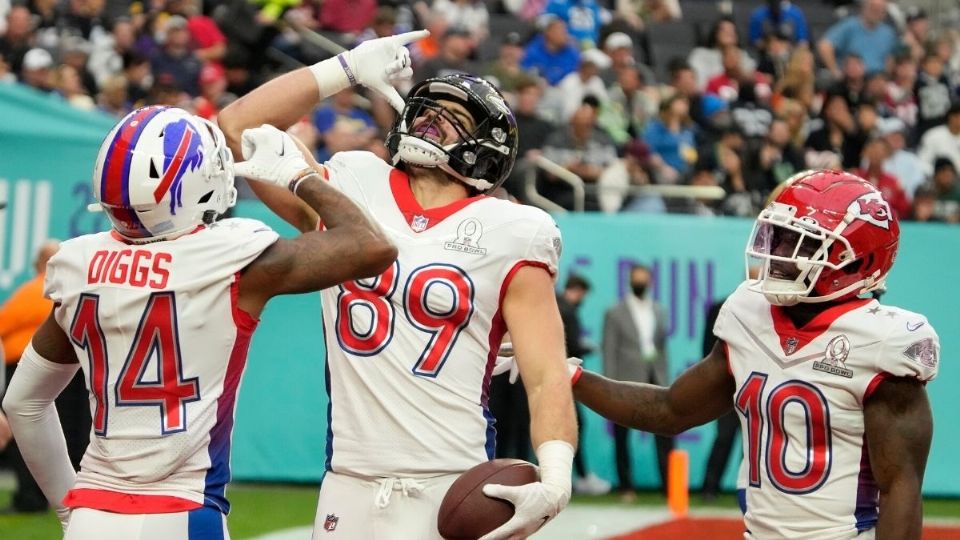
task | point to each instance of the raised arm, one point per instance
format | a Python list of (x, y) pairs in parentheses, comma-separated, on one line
[(352, 246), (701, 394), (282, 101), (899, 426)]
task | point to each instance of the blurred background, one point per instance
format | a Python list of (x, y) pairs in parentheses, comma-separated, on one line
[(653, 130)]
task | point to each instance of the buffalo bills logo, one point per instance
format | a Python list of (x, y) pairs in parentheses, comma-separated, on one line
[(182, 151), (872, 208)]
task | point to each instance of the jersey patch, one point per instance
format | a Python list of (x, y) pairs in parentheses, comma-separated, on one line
[(924, 352)]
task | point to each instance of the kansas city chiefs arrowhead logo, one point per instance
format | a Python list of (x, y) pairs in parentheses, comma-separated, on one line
[(872, 208)]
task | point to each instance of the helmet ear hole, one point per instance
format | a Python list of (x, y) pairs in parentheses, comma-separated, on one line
[(206, 197), (855, 266)]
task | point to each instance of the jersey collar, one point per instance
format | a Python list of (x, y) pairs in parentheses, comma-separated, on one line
[(792, 339), (418, 218)]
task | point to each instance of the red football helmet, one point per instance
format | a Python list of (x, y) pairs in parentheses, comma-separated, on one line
[(829, 235)]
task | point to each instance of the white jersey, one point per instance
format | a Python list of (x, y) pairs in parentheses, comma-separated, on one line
[(800, 393), (409, 353), (163, 347)]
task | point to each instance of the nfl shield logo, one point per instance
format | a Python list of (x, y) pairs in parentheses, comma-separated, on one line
[(419, 223), (792, 343), (330, 524)]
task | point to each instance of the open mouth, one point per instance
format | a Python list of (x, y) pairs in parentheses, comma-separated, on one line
[(782, 270), (429, 132)]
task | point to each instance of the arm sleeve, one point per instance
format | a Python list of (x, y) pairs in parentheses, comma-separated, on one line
[(35, 424)]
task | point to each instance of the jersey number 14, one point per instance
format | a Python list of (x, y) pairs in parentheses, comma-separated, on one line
[(156, 334)]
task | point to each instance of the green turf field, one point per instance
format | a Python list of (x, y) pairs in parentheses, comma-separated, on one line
[(262, 508)]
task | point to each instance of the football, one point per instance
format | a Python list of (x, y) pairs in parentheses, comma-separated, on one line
[(466, 513)]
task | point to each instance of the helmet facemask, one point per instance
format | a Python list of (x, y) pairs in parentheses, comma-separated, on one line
[(793, 253), (481, 157)]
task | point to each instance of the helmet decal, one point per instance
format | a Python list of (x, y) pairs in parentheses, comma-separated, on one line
[(182, 150), (871, 208)]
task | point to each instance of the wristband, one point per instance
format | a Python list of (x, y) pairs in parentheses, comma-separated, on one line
[(331, 77), (304, 174), (556, 463), (347, 70), (576, 375)]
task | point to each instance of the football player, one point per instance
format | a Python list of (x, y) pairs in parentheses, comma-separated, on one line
[(829, 386), (158, 312), (410, 352)]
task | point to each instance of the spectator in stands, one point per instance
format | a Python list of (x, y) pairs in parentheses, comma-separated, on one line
[(853, 81), (775, 55), (106, 58), (900, 99), (583, 82), (932, 94), (799, 80), (85, 17), (943, 140), (551, 54), (74, 52), (506, 72), (866, 35), (18, 38), (794, 114), (946, 190), (777, 160), (66, 82), (455, 49), (583, 19), (917, 32), (903, 163), (469, 14), (342, 125), (875, 153), (533, 131), (37, 70), (706, 60), (207, 41), (726, 158), (778, 17), (213, 91), (671, 140), (112, 98), (384, 24), (729, 83), (683, 81), (628, 108), (619, 47), (136, 71), (582, 148), (833, 145), (175, 63), (925, 204), (345, 17)]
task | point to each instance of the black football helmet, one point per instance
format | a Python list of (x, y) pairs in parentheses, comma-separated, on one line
[(483, 157)]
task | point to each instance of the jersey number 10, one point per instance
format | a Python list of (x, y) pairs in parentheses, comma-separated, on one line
[(816, 444), (443, 326), (156, 334)]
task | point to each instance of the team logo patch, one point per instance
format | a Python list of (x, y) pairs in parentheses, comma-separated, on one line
[(872, 208), (834, 358), (468, 238), (330, 524), (419, 223), (791, 343), (924, 351)]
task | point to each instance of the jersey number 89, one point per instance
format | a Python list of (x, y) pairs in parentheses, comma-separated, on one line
[(374, 296)]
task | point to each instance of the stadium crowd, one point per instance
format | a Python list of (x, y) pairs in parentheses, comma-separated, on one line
[(874, 91)]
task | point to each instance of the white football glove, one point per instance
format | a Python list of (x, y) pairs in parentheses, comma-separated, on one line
[(377, 63), (537, 503), (270, 156), (504, 364)]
